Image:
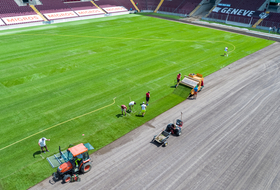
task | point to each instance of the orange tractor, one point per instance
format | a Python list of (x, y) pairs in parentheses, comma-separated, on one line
[(70, 162)]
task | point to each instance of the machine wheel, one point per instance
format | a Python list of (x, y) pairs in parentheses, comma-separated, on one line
[(67, 178), (165, 144), (86, 167), (168, 128), (56, 177), (178, 132)]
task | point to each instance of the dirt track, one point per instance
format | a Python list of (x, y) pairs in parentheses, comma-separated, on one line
[(230, 139)]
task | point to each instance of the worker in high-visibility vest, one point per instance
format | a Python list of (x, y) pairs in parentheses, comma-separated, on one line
[(78, 159)]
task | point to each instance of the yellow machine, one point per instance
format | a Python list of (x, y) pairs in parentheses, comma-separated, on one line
[(192, 81)]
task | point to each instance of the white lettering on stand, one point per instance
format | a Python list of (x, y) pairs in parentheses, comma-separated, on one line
[(232, 11)]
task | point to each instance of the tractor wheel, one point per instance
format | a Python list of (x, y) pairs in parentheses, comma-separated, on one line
[(67, 178), (86, 167)]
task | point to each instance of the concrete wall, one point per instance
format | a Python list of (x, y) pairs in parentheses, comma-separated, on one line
[(264, 6), (204, 8)]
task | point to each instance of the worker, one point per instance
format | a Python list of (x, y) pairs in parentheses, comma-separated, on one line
[(42, 144), (195, 92), (202, 84), (124, 108), (78, 159), (143, 108), (131, 104), (148, 98), (226, 51), (178, 79)]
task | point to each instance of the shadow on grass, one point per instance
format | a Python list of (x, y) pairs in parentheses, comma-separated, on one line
[(52, 181), (139, 115), (174, 86), (36, 153), (119, 115)]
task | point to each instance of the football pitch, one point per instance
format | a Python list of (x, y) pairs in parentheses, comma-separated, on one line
[(61, 81)]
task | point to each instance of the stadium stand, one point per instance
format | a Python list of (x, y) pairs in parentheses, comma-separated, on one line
[(109, 2), (171, 6), (112, 8), (55, 9), (152, 4), (71, 1), (244, 4), (141, 4), (237, 11), (179, 6), (52, 6), (246, 12), (126, 3), (84, 8), (9, 8), (272, 20), (189, 6), (78, 5)]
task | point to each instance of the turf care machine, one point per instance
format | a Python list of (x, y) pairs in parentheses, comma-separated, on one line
[(176, 127), (70, 162), (172, 128), (192, 81)]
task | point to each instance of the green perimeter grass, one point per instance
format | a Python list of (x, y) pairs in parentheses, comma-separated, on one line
[(50, 74), (161, 15)]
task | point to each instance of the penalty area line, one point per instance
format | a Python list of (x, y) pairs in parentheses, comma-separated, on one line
[(60, 124)]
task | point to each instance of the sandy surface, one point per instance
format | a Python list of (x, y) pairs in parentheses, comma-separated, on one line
[(230, 138)]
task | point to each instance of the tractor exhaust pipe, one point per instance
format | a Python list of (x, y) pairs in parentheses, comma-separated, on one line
[(60, 152)]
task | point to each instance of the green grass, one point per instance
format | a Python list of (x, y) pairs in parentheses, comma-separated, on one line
[(51, 74)]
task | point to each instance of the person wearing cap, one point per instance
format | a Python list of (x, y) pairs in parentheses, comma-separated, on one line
[(42, 144), (178, 79), (195, 92), (226, 51), (124, 108), (147, 98), (131, 104), (143, 109)]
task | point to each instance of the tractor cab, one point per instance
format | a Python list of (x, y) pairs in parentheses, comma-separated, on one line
[(71, 161), (78, 155)]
